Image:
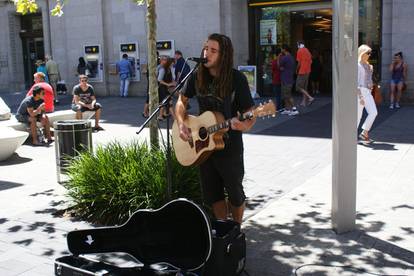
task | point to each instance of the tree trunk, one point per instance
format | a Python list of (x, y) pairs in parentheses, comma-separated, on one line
[(152, 69)]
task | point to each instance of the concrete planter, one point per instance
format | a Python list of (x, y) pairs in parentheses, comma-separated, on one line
[(10, 141)]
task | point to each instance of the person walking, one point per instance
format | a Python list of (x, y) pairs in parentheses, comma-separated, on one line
[(166, 79), (181, 68), (81, 68), (54, 75), (276, 83), (316, 72), (365, 99), (287, 70), (220, 88), (125, 71), (304, 59), (398, 69), (41, 67)]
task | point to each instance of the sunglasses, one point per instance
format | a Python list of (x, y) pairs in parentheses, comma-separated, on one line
[(84, 80), (369, 53)]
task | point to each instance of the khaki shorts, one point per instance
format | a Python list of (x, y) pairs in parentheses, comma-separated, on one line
[(287, 91), (302, 82)]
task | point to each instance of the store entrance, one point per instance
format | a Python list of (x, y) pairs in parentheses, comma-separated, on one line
[(311, 24), (315, 29), (31, 36)]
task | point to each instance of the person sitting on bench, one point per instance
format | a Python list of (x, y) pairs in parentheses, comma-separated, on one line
[(84, 100), (31, 111)]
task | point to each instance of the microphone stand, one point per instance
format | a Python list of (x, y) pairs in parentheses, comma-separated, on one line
[(166, 103)]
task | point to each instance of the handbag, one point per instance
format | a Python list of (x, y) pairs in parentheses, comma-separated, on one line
[(376, 94)]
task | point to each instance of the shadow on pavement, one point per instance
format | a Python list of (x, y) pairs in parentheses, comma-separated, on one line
[(282, 248), (318, 124), (5, 185), (379, 146), (15, 159)]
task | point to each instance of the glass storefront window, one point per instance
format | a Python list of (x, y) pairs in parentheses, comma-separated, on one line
[(370, 31), (312, 23), (293, 23)]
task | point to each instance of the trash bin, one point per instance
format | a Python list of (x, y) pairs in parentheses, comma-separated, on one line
[(71, 137)]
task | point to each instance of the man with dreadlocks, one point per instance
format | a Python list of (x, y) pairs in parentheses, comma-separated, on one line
[(220, 88)]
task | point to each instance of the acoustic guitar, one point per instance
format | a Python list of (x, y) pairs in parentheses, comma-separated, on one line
[(207, 132), (178, 234)]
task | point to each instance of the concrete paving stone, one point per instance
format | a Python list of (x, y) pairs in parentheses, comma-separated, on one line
[(15, 266), (403, 254), (34, 273), (6, 272), (267, 267), (41, 270)]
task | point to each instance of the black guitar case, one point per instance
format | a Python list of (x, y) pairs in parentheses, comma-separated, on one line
[(177, 238)]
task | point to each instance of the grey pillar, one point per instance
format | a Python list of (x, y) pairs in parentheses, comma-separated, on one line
[(344, 132)]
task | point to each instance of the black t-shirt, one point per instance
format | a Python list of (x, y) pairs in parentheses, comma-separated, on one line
[(85, 96), (28, 102), (240, 100)]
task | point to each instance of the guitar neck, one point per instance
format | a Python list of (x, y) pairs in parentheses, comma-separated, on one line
[(227, 123)]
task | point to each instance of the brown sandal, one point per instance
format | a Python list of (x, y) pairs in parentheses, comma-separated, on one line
[(364, 137)]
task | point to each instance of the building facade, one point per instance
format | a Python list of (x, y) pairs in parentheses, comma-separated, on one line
[(98, 29)]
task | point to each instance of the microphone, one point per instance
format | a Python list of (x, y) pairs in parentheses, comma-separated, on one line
[(198, 59)]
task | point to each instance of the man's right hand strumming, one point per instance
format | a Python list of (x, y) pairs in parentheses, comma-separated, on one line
[(184, 132), (181, 113)]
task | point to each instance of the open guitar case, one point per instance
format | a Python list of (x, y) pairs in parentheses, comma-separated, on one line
[(177, 239)]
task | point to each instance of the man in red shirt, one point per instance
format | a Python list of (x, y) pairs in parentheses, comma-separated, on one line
[(304, 59), (39, 80)]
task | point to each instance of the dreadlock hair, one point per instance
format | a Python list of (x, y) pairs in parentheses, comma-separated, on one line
[(224, 79)]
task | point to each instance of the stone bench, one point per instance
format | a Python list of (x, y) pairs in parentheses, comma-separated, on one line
[(10, 141), (53, 117), (13, 133)]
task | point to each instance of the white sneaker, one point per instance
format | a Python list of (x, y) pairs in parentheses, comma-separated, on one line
[(397, 105), (391, 106), (285, 112), (293, 113)]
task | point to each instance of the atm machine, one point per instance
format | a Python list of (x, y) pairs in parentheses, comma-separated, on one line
[(94, 63), (131, 49), (166, 48)]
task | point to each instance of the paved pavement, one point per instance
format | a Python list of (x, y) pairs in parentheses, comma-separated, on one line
[(288, 184)]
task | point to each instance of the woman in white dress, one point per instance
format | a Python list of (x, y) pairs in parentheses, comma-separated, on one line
[(365, 99)]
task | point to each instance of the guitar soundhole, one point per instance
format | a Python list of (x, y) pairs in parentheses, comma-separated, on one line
[(202, 133)]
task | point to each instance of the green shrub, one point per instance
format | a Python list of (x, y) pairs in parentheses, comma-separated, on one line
[(107, 186)]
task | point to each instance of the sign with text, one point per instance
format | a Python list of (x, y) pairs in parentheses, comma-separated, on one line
[(92, 49), (164, 45), (129, 47)]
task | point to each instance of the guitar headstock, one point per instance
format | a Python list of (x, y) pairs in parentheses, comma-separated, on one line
[(265, 109)]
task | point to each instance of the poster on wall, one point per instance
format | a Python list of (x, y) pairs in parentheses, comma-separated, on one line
[(250, 72), (268, 32)]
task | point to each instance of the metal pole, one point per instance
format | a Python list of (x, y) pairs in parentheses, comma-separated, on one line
[(344, 132)]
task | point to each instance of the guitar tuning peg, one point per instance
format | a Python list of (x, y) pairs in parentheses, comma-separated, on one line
[(260, 104)]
